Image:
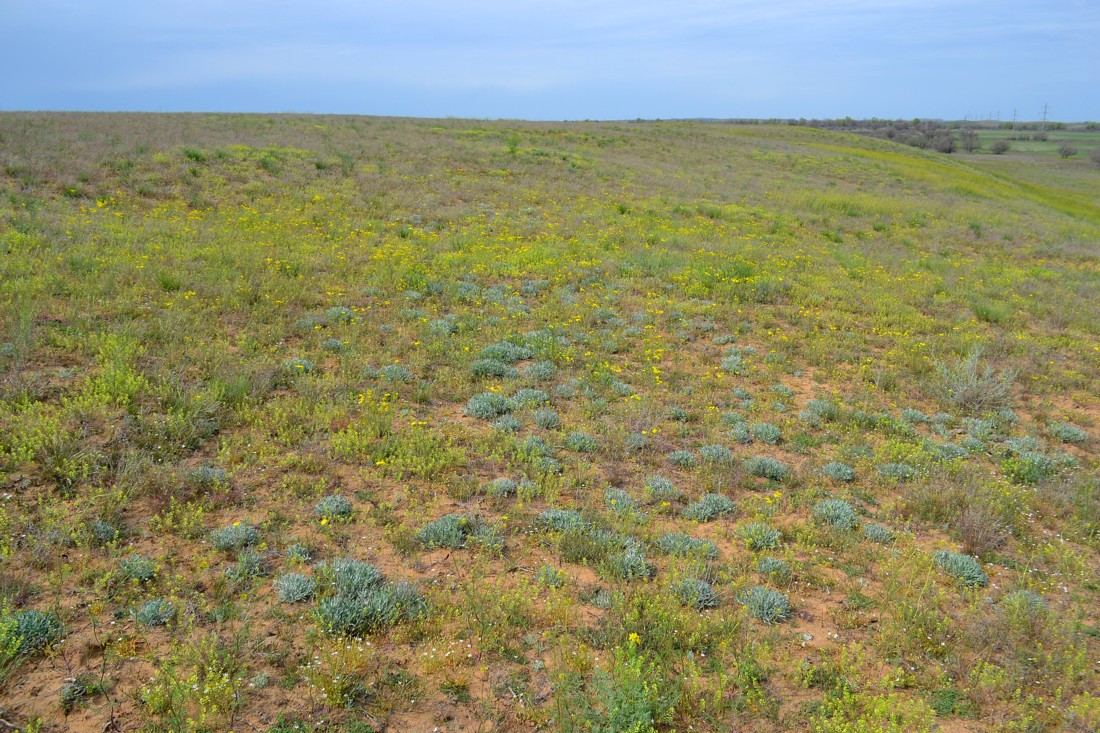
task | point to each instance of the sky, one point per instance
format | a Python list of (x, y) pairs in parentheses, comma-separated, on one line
[(564, 60)]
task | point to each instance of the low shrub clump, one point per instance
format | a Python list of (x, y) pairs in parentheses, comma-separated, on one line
[(770, 606), (699, 594), (709, 507), (836, 513), (765, 467), (963, 568)]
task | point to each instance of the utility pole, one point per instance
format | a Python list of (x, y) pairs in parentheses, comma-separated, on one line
[(1044, 128), (1013, 118)]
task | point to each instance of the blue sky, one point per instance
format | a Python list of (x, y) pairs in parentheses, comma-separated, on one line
[(572, 59)]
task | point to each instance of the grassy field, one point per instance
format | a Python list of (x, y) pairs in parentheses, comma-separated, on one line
[(361, 424)]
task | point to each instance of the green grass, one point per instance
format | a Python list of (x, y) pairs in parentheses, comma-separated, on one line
[(538, 426)]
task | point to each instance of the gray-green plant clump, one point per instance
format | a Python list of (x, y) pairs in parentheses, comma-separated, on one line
[(964, 568), (30, 632), (709, 507), (682, 458), (681, 544), (770, 606), (765, 467), (295, 587), (156, 612), (333, 508), (235, 536), (879, 533), (759, 536), (488, 405), (836, 513), (838, 471), (699, 594), (137, 568), (659, 488)]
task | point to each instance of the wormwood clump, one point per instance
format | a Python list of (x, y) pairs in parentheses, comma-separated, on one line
[(963, 568), (369, 611), (157, 612), (768, 468), (699, 594), (487, 405), (770, 606), (334, 507), (709, 507), (137, 568), (295, 587), (234, 537), (659, 488), (759, 536), (972, 387), (681, 544), (836, 513), (838, 471)]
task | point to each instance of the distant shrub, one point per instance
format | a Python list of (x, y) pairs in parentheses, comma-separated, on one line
[(699, 594), (104, 532), (963, 568), (679, 414), (581, 442), (294, 587), (681, 544), (547, 418), (334, 507), (836, 513), (660, 488), (550, 576), (487, 405), (1024, 610), (759, 536), (298, 365), (298, 553), (1028, 467), (234, 537), (878, 533), (349, 577), (716, 455), (741, 434), (914, 416), (709, 507), (205, 477), (157, 612), (974, 388), (838, 471), (773, 567), (682, 458), (783, 390), (500, 488), (442, 327), (335, 345), (560, 520), (396, 373), (29, 632), (1000, 147), (493, 368), (249, 565), (897, 471), (628, 564), (375, 609), (620, 502), (507, 424), (506, 351), (766, 433), (825, 410), (768, 468), (529, 397), (541, 371), (1067, 433), (765, 604), (449, 531), (137, 568)]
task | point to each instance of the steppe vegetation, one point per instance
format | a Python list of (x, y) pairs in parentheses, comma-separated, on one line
[(315, 423)]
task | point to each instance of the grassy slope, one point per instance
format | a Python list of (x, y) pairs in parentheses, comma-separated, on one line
[(160, 271)]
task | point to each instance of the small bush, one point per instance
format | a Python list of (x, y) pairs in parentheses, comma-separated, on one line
[(682, 458), (500, 488), (334, 507), (295, 587), (249, 565), (493, 368), (773, 567), (298, 553), (709, 507), (620, 502), (349, 577), (207, 477), (560, 520), (963, 568), (897, 471), (550, 576), (838, 471), (765, 604), (506, 351), (681, 544), (298, 365), (1000, 147), (768, 468), (629, 564), (507, 424), (1029, 467), (137, 568), (759, 536), (396, 373), (878, 533), (659, 488), (487, 405), (836, 513), (157, 612), (376, 609), (547, 418), (335, 345), (449, 531), (1067, 433), (699, 594), (972, 387), (235, 537), (716, 455), (766, 433), (581, 442), (529, 397), (541, 371), (824, 410)]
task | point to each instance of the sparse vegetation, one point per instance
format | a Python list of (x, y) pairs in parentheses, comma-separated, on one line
[(399, 424)]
